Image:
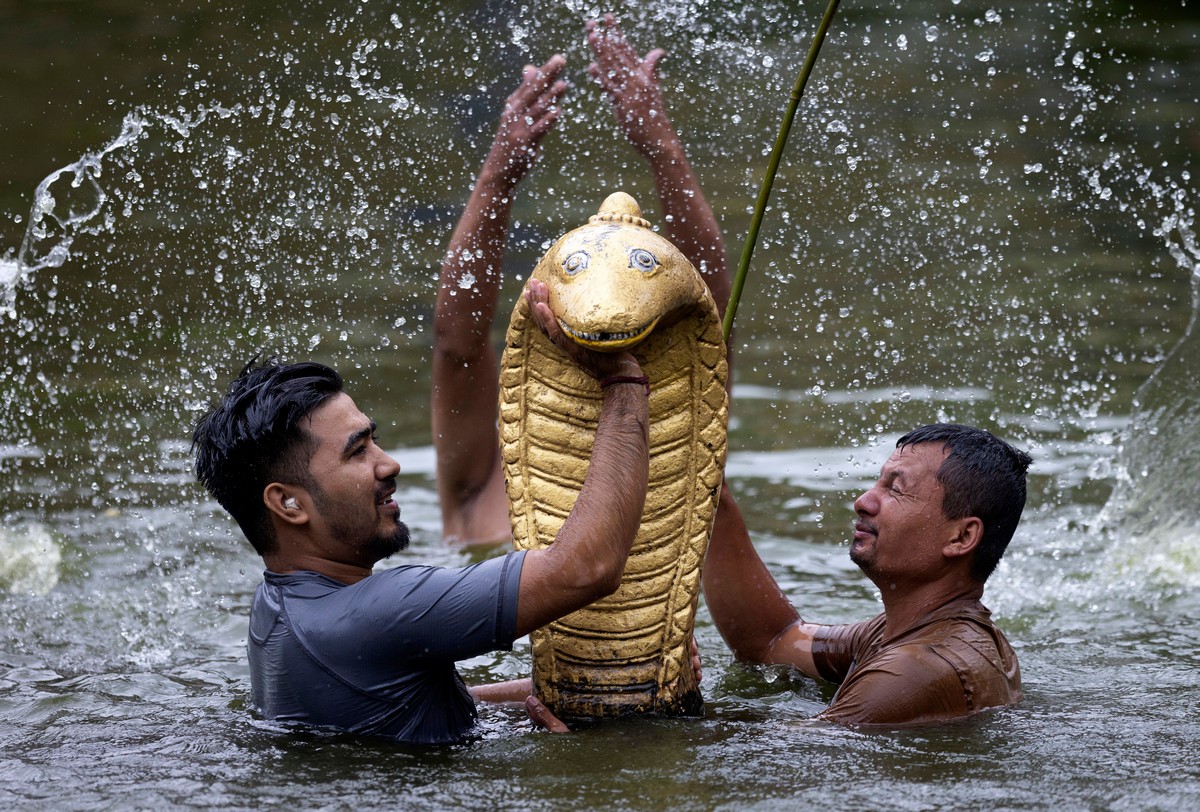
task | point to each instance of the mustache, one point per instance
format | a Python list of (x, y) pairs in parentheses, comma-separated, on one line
[(385, 489)]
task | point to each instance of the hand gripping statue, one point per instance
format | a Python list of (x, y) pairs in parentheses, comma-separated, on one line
[(614, 284)]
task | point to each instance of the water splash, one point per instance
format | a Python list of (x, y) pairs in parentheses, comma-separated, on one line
[(933, 236), (30, 559), (66, 203), (301, 201), (1158, 479)]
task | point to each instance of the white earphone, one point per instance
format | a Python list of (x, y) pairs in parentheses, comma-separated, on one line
[(290, 503)]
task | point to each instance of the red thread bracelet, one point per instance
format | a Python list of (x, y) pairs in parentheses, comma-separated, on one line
[(612, 379)]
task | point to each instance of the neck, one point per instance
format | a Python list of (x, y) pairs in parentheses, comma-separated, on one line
[(904, 607), (347, 573)]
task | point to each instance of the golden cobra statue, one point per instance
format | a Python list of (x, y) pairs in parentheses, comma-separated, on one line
[(615, 285)]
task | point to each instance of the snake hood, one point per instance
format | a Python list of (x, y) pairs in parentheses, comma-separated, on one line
[(614, 280), (615, 284)]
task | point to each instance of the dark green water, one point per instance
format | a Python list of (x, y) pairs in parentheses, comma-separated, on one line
[(986, 213)]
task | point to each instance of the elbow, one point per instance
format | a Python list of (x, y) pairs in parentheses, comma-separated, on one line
[(601, 581), (610, 582), (594, 579), (746, 647), (754, 654)]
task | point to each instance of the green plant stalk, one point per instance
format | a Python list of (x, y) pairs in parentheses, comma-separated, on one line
[(764, 194)]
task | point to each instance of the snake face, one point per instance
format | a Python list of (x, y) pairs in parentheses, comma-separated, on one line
[(614, 280)]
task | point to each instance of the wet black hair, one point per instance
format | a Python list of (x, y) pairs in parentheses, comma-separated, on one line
[(981, 476), (253, 437)]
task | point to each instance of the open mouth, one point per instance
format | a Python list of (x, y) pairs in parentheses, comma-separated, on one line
[(608, 341)]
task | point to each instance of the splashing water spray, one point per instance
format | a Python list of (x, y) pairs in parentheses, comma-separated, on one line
[(63, 204), (1152, 509), (764, 195)]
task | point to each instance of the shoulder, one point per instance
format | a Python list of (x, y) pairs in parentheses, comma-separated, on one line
[(903, 683), (965, 636), (953, 665), (415, 588), (962, 638), (980, 655), (281, 594)]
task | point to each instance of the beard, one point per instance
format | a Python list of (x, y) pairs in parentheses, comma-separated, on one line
[(861, 557), (862, 553), (355, 529), (385, 545)]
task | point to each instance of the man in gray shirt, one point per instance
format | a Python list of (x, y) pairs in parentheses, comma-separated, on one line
[(288, 454)]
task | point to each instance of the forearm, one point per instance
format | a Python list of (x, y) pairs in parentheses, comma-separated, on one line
[(588, 556), (745, 602), (606, 516), (469, 286), (465, 371), (688, 219), (511, 691), (471, 270)]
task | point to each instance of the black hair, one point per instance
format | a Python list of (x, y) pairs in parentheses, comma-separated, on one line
[(253, 437), (981, 476)]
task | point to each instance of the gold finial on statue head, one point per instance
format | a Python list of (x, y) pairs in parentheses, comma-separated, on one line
[(620, 207)]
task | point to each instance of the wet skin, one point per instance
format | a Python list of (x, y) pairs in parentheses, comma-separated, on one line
[(355, 519)]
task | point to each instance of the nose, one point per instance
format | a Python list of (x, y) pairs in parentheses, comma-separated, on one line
[(867, 503), (388, 467)]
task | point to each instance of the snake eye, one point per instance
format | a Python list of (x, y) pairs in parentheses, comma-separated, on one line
[(642, 259), (575, 263)]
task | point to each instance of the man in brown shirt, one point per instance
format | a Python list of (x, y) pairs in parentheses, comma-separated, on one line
[(929, 533)]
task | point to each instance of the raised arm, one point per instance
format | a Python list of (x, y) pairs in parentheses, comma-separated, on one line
[(587, 558), (465, 373), (631, 84)]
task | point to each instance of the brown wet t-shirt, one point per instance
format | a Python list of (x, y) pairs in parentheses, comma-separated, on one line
[(951, 664)]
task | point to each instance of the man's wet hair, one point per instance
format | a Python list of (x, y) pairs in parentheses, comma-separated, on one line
[(981, 476), (254, 437)]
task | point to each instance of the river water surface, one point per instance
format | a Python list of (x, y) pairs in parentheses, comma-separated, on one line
[(986, 214)]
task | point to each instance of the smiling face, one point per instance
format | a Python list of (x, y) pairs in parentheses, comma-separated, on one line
[(901, 532), (353, 484)]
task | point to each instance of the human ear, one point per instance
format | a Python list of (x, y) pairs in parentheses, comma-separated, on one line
[(968, 534), (285, 502)]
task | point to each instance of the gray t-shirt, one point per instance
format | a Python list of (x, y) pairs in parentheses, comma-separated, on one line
[(377, 657)]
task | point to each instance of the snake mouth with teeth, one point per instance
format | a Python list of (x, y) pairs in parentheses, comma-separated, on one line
[(608, 341)]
